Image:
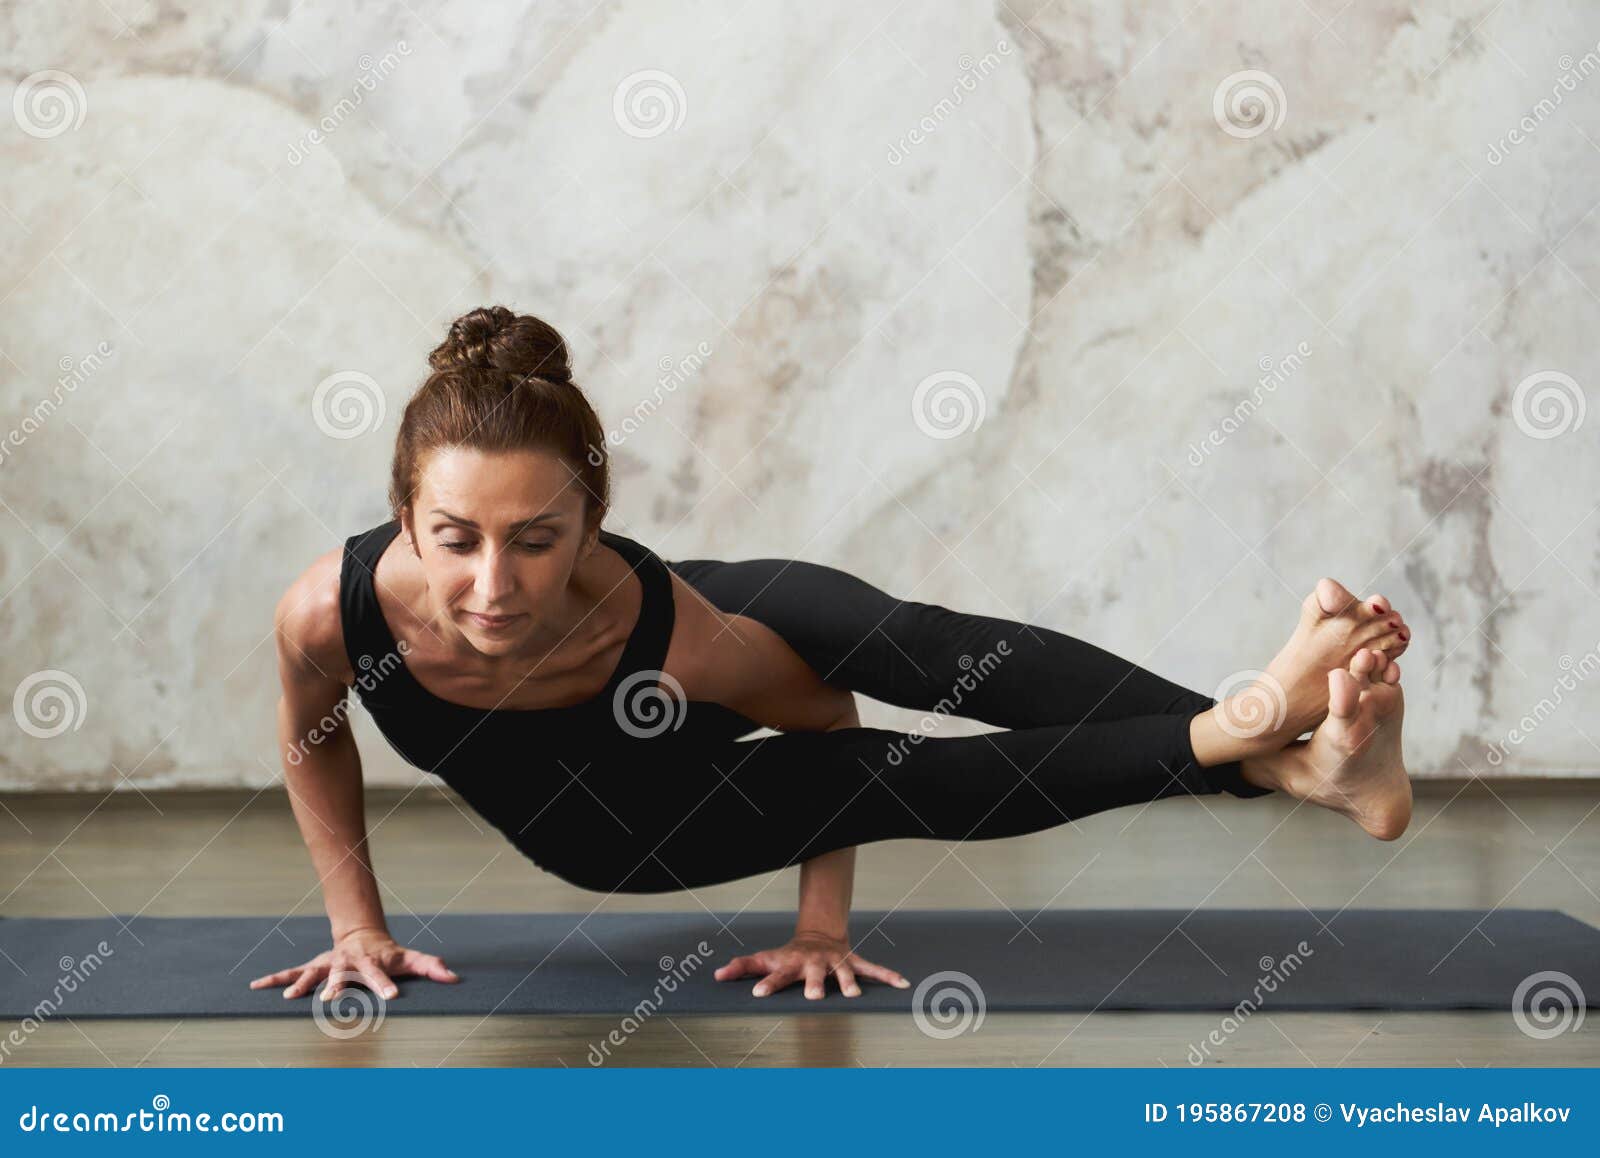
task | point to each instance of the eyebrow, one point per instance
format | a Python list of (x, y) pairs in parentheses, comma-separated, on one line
[(516, 528)]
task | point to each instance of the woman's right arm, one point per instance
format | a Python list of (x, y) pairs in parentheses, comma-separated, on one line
[(322, 772), (322, 766)]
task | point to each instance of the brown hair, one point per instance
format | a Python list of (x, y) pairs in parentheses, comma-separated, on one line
[(501, 381)]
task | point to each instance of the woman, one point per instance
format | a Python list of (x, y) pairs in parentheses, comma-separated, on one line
[(588, 698)]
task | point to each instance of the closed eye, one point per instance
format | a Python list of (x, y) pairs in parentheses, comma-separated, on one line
[(463, 548)]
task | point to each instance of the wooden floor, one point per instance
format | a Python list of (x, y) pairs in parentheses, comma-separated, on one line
[(1471, 845)]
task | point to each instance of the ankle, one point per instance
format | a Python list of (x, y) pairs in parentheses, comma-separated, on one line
[(1281, 770)]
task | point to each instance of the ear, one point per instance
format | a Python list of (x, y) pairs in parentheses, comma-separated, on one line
[(408, 529)]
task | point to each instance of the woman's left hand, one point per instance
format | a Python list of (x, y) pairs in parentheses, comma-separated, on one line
[(808, 956)]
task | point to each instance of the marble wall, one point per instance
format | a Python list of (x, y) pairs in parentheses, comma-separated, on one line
[(1130, 319)]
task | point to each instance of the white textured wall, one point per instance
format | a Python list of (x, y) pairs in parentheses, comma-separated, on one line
[(1073, 230)]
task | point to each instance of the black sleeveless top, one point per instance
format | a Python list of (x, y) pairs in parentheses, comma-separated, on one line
[(462, 744)]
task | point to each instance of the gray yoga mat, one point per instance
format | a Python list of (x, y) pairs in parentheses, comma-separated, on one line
[(615, 963)]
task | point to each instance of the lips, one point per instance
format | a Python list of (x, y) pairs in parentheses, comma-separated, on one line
[(492, 621)]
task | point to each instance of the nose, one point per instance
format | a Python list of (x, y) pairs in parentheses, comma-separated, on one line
[(493, 580)]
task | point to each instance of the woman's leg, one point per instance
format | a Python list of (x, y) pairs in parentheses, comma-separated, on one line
[(925, 656), (662, 814)]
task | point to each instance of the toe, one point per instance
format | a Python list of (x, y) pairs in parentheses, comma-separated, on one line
[(1378, 605), (1391, 674), (1364, 664), (1390, 645), (1333, 597), (1344, 694)]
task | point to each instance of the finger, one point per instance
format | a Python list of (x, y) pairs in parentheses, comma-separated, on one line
[(309, 976), (277, 978), (816, 980), (738, 967), (847, 979), (425, 965), (774, 981), (335, 982), (377, 980), (879, 972)]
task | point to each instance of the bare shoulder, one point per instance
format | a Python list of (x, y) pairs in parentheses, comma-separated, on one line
[(308, 624), (698, 627), (741, 663)]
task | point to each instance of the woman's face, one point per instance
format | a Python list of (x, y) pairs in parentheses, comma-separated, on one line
[(498, 536)]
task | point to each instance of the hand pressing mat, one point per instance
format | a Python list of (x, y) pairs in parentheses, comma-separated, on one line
[(989, 960)]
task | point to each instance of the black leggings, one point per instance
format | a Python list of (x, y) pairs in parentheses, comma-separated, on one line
[(696, 805)]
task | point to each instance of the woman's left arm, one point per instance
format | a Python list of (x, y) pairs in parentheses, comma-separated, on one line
[(753, 671)]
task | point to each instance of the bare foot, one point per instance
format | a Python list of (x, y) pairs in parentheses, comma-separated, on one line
[(1353, 764), (1291, 696)]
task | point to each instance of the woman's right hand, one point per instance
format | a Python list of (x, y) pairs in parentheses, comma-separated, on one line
[(370, 954)]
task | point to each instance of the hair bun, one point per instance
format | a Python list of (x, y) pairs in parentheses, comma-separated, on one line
[(494, 338)]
